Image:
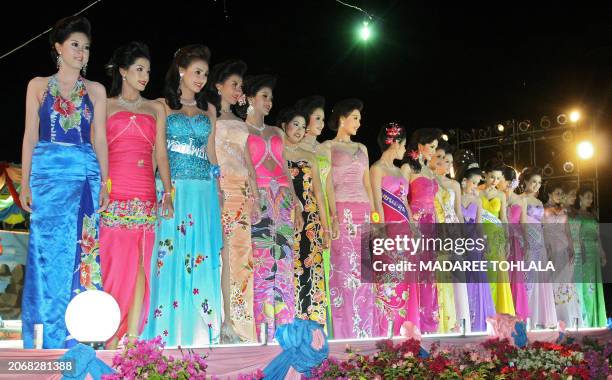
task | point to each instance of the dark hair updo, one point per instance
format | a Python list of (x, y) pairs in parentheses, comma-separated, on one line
[(251, 86), (219, 74), (527, 173), (308, 105), (184, 57), (493, 165), (390, 133), (124, 57), (286, 115), (420, 137), (64, 28), (466, 165), (446, 147), (343, 109)]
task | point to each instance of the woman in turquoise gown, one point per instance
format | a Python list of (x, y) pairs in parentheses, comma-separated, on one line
[(185, 269)]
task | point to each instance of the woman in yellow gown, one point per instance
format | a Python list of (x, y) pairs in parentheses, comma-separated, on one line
[(494, 220)]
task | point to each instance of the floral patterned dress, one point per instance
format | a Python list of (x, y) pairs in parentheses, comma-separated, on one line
[(185, 269), (308, 248), (63, 257)]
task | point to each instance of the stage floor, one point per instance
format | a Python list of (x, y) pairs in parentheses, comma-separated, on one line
[(228, 361)]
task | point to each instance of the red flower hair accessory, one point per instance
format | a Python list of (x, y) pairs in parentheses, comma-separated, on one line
[(392, 131)]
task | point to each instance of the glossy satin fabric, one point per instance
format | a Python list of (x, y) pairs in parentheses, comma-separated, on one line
[(400, 295), (63, 249), (588, 272), (421, 199), (539, 291), (354, 313), (517, 255), (496, 243), (127, 231), (185, 268), (479, 293)]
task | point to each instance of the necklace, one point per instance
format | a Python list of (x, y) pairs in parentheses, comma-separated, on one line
[(189, 103), (293, 148), (226, 111), (260, 129), (130, 104)]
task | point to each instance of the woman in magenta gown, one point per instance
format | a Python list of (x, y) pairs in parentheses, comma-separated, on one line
[(423, 188), (135, 132), (516, 239), (397, 292)]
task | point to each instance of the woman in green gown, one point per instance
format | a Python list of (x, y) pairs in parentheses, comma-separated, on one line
[(590, 257)]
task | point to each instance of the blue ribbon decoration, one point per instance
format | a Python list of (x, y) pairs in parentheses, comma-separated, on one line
[(296, 340), (84, 362), (520, 334)]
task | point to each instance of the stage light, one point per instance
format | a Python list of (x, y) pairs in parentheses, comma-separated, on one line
[(445, 137), (545, 122), (524, 125), (568, 167), (562, 119), (365, 32), (92, 316), (567, 136), (585, 150), (574, 116), (500, 128)]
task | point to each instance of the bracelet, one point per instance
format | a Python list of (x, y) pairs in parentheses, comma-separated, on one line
[(215, 171), (375, 217)]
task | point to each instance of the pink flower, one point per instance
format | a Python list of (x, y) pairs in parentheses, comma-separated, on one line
[(175, 304), (196, 291)]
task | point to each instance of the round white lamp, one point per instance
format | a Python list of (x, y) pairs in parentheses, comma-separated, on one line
[(92, 316)]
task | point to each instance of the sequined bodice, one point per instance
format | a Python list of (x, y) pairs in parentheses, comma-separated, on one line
[(66, 121), (187, 138), (535, 213), (589, 229)]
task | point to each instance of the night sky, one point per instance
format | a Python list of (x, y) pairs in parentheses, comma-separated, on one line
[(465, 66)]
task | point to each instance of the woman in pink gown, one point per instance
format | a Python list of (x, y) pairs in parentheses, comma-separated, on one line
[(350, 196), (539, 288), (516, 239), (423, 189), (135, 131), (397, 292)]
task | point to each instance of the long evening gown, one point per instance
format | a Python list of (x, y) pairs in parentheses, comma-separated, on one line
[(421, 199), (308, 249), (517, 255), (496, 242), (230, 145), (186, 279), (539, 289), (399, 295), (272, 237), (127, 227), (588, 273), (558, 242), (479, 292), (63, 257), (353, 301)]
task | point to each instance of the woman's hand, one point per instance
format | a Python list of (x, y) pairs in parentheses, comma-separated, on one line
[(25, 197), (104, 198), (167, 211)]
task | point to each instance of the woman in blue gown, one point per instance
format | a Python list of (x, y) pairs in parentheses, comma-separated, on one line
[(185, 306), (61, 185)]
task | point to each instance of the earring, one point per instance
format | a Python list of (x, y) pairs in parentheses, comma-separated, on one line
[(84, 69), (59, 60), (250, 109), (124, 79), (219, 92)]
